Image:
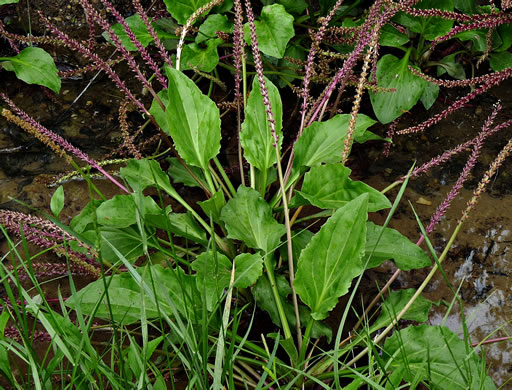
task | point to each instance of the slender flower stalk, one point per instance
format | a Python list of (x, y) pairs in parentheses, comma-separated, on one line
[(123, 124), (190, 21), (238, 52), (482, 186), (55, 140), (359, 93), (158, 43), (79, 47), (477, 146), (270, 118), (9, 38), (133, 38), (119, 45), (496, 79)]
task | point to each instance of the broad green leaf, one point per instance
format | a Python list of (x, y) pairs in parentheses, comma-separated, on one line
[(466, 6), (193, 120), (323, 142), (438, 356), (157, 111), (431, 27), (330, 187), (505, 33), (450, 65), (141, 174), (138, 28), (118, 211), (390, 36), (248, 268), (126, 295), (213, 206), (3, 2), (249, 218), (393, 245), (396, 302), (184, 225), (33, 65), (430, 94), (181, 10), (212, 24), (87, 216), (202, 56), (477, 38), (500, 61), (256, 137), (57, 201), (333, 258), (294, 6), (274, 29), (394, 73), (264, 297), (127, 241), (213, 272), (180, 174)]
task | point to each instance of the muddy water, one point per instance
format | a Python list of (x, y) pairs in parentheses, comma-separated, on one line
[(480, 261)]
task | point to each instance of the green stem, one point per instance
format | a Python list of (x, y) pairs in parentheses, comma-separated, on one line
[(264, 182), (219, 182), (305, 341), (224, 176), (209, 180), (277, 297), (289, 246)]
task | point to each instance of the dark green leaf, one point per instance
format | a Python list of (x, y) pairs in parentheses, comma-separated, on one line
[(438, 356), (193, 120), (127, 241), (184, 225), (333, 258), (466, 6), (396, 302), (248, 268), (126, 295), (256, 137), (322, 142), (118, 211), (57, 201), (330, 187), (141, 174), (390, 36), (202, 56), (450, 65), (477, 38), (265, 299), (274, 29), (213, 275), (87, 216), (500, 61), (211, 25), (249, 218), (429, 95), (34, 66), (394, 73), (179, 174), (393, 245), (213, 206), (139, 29), (181, 10), (429, 27)]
